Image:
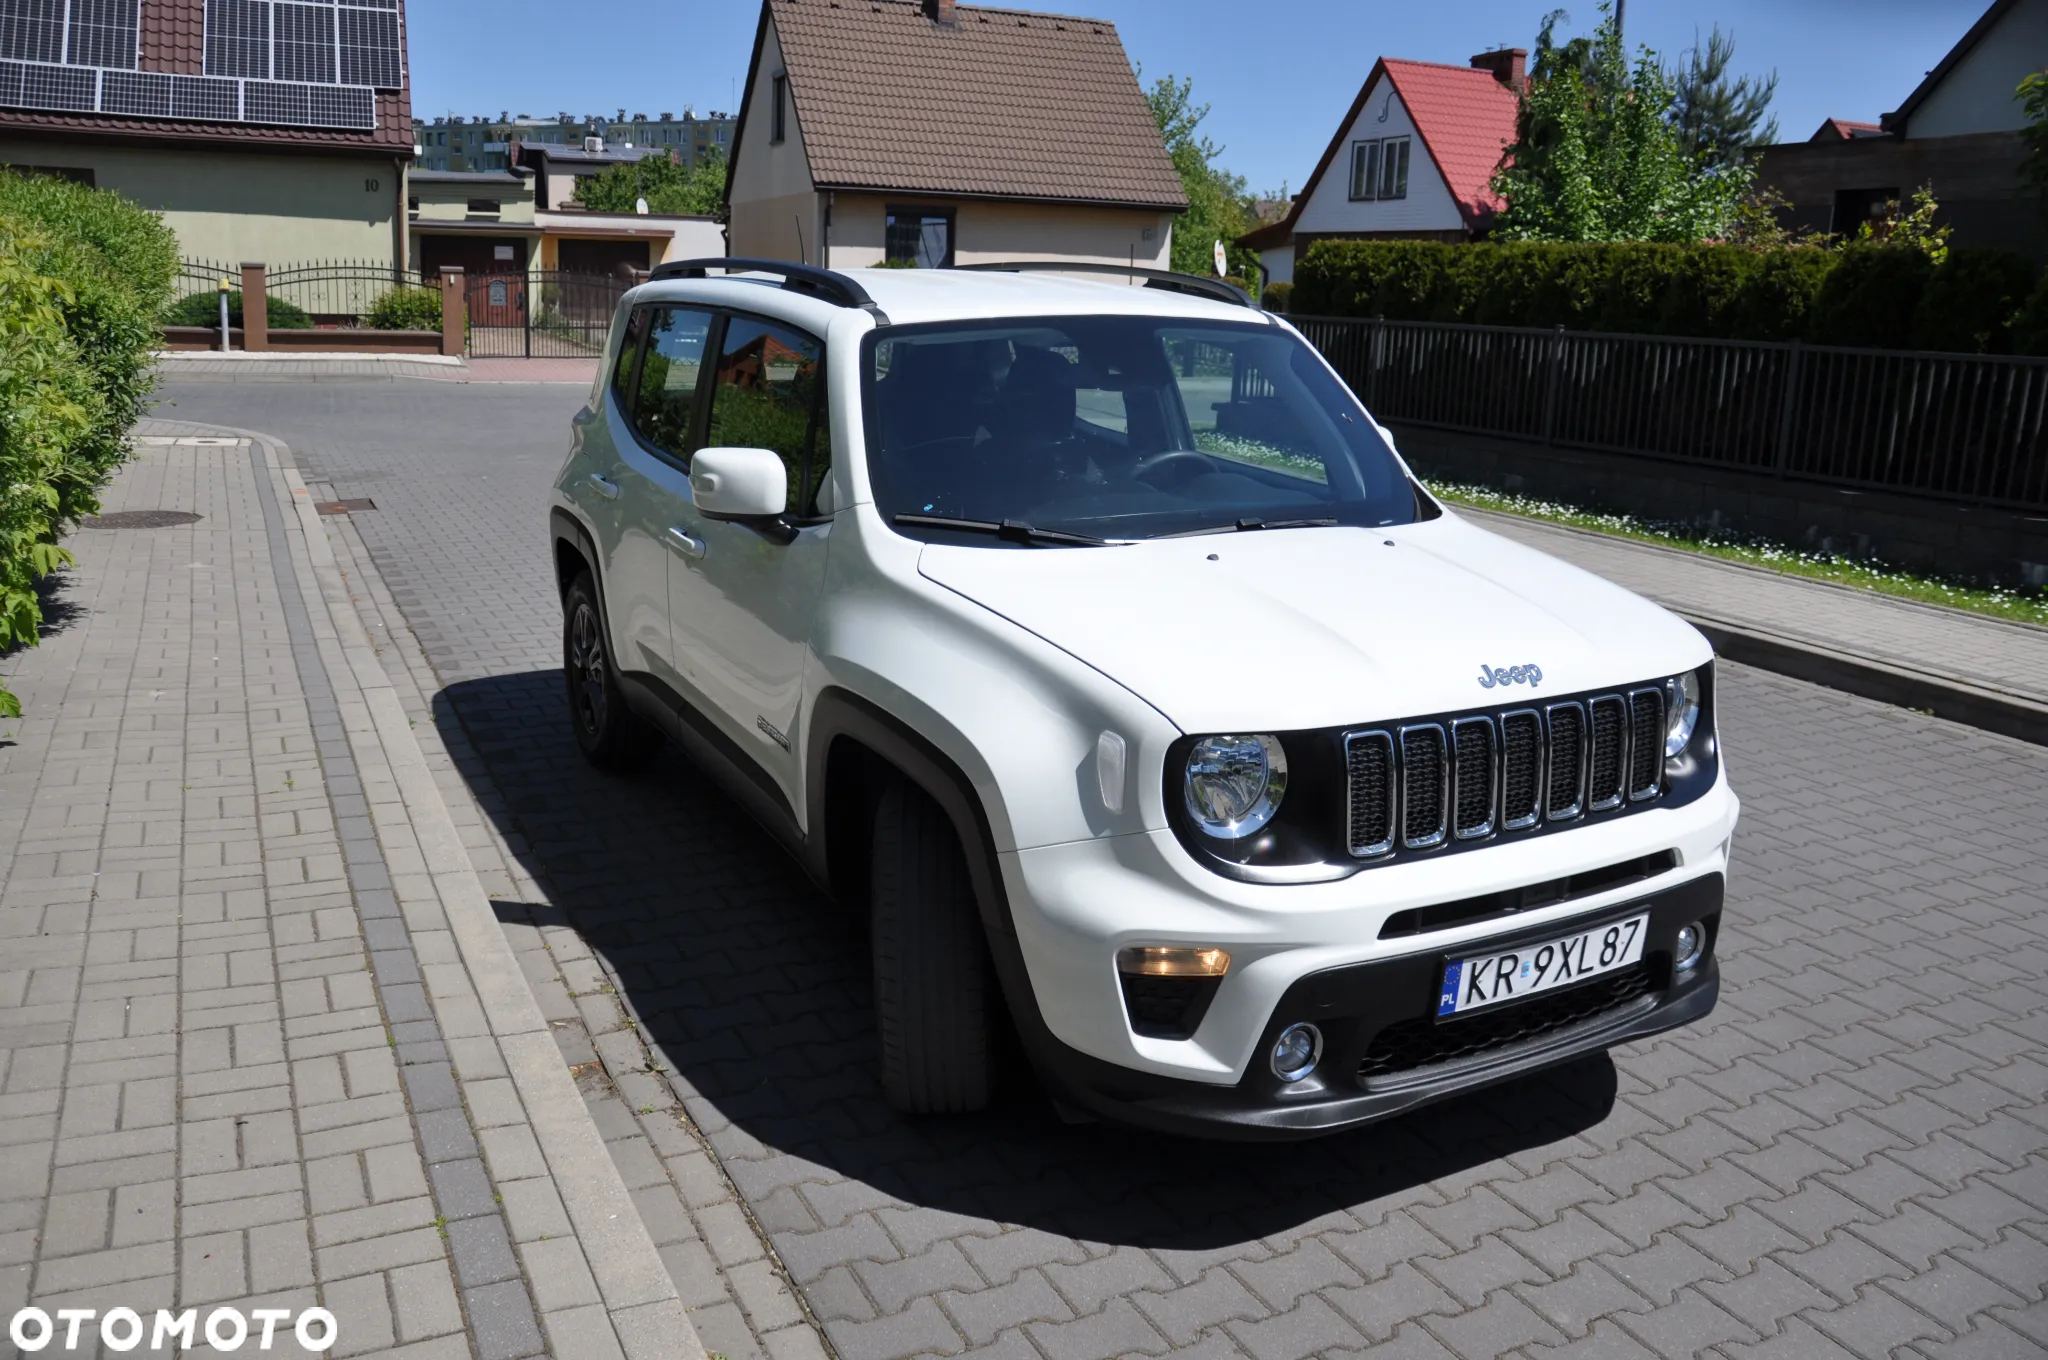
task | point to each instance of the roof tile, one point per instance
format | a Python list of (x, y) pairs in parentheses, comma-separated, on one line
[(1467, 120), (1001, 103)]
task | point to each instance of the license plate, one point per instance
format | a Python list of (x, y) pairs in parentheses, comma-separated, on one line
[(1515, 974)]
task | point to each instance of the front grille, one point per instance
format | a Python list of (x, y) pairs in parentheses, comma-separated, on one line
[(1470, 777), (1409, 1044)]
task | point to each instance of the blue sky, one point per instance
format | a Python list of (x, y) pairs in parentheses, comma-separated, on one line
[(1278, 76)]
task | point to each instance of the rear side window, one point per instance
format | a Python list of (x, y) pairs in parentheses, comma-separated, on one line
[(629, 355), (769, 395), (665, 398)]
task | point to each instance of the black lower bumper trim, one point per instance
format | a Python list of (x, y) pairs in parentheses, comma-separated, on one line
[(1359, 1006)]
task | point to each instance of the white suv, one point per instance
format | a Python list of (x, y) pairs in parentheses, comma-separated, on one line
[(1095, 640)]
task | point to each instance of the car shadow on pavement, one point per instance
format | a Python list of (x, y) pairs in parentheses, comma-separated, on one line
[(754, 988)]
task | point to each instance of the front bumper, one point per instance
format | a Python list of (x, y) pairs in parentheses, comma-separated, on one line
[(1383, 1050)]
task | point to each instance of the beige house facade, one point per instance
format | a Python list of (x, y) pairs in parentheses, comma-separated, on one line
[(817, 178)]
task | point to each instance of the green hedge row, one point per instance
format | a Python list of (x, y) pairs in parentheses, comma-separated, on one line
[(1893, 297), (203, 309), (84, 275)]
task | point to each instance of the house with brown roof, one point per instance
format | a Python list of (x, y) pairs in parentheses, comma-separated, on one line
[(1412, 159), (261, 129), (921, 132), (1961, 131)]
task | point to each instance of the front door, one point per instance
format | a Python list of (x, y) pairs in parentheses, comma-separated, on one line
[(649, 486), (742, 604)]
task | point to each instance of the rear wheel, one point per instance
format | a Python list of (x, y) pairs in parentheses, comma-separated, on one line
[(932, 983), (611, 735)]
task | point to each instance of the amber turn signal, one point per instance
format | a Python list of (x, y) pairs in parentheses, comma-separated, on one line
[(1153, 960)]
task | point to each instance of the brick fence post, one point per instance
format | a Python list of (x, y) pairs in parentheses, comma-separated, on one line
[(454, 309), (255, 306)]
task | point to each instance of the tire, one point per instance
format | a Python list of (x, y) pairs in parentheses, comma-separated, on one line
[(611, 735), (932, 977)]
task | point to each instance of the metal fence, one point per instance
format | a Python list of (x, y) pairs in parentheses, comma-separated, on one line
[(1957, 426), (335, 292), (201, 276), (549, 314)]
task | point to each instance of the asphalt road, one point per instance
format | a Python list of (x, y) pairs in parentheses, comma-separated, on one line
[(1849, 1157)]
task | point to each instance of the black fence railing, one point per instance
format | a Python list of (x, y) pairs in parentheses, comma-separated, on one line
[(553, 314), (202, 276), (337, 292), (1956, 426)]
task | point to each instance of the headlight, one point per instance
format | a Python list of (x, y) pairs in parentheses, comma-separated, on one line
[(1681, 712), (1234, 784)]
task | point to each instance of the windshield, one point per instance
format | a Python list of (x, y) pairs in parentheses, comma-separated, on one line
[(1118, 428)]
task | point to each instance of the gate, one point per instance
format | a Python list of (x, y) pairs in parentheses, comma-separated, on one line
[(548, 314)]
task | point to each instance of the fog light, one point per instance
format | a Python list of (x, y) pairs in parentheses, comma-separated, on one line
[(1692, 942), (1296, 1052), (1153, 960)]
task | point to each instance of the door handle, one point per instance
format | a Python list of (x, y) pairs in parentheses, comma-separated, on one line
[(606, 487), (684, 544)]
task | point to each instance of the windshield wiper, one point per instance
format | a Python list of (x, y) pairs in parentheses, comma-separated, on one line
[(1016, 531), (1247, 525)]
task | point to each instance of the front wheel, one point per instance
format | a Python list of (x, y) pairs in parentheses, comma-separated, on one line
[(611, 735), (932, 982)]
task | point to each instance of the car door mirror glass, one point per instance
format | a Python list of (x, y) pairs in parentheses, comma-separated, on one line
[(733, 483)]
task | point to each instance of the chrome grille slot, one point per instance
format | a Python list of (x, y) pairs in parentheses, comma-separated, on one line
[(1369, 761), (1425, 786), (1475, 777), (1646, 744), (1606, 781), (1566, 793), (1521, 783)]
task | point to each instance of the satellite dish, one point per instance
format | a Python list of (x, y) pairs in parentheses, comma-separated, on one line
[(640, 206), (1222, 263)]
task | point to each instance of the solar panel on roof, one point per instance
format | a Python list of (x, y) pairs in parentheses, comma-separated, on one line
[(199, 97), (32, 30), (36, 85), (238, 38), (369, 47), (304, 47), (296, 104), (103, 34), (139, 94)]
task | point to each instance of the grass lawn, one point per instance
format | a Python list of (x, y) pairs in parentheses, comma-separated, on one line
[(2025, 607)]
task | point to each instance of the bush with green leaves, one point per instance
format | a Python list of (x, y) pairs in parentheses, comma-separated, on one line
[(406, 309), (203, 309), (84, 276), (1866, 293)]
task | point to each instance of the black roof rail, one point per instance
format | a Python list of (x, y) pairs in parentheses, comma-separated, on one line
[(1195, 285), (824, 284)]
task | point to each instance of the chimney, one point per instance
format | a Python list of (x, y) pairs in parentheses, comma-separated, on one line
[(1508, 66), (939, 11)]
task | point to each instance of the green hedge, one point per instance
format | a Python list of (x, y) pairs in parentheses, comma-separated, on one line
[(406, 309), (84, 275), (203, 309), (1874, 295)]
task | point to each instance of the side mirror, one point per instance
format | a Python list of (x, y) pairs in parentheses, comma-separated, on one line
[(738, 483)]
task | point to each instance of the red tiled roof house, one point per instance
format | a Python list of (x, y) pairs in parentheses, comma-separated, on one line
[(268, 130), (1411, 160), (924, 132)]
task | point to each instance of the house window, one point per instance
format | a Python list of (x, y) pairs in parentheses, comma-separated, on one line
[(483, 207), (920, 237), (778, 92), (1379, 169)]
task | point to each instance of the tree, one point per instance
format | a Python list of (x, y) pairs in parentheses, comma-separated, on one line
[(666, 185), (1596, 158), (1217, 206), (2033, 96), (1717, 118)]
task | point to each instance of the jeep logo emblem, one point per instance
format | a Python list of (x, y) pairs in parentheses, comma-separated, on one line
[(1490, 676)]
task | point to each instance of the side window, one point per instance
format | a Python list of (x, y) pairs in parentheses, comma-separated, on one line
[(770, 394), (629, 355), (665, 399)]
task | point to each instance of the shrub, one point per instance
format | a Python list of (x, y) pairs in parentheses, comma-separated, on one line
[(406, 309), (84, 275), (2030, 326), (1870, 296), (203, 309), (1776, 298), (1276, 296), (1971, 300)]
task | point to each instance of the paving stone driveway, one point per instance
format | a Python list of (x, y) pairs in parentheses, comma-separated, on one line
[(1850, 1156)]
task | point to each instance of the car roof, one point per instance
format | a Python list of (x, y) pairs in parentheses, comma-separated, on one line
[(912, 296)]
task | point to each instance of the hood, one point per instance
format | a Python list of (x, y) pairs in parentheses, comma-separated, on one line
[(1283, 629)]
